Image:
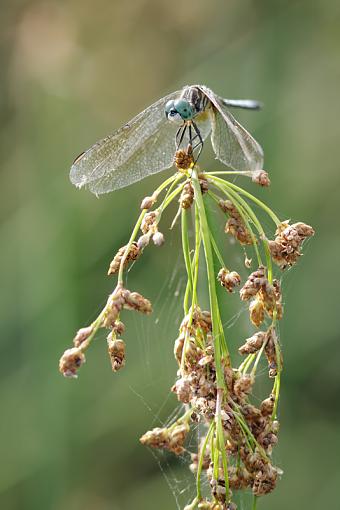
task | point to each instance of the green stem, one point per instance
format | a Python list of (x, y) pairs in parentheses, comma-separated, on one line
[(224, 184), (254, 503), (128, 246), (251, 197), (201, 459), (235, 199), (215, 314), (186, 247)]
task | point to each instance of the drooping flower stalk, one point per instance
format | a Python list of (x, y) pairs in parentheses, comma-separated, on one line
[(235, 451)]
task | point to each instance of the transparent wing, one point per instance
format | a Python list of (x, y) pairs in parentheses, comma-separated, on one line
[(144, 146), (233, 145)]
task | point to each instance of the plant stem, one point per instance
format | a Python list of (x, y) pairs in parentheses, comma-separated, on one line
[(215, 314)]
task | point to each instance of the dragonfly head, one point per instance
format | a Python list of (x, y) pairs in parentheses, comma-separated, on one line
[(179, 110)]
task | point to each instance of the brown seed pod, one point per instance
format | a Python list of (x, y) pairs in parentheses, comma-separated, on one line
[(71, 361), (116, 350), (228, 279), (253, 344), (132, 255), (256, 312), (261, 177), (82, 335), (184, 158)]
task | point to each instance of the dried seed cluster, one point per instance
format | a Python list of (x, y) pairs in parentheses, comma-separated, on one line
[(261, 177), (187, 196), (171, 438), (184, 159), (235, 225), (285, 249), (249, 454), (228, 279), (132, 255), (264, 297), (120, 299)]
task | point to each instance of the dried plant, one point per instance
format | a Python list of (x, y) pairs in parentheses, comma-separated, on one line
[(235, 450)]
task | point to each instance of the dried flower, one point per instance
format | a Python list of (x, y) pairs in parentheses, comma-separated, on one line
[(235, 225), (184, 159), (171, 438), (285, 249), (82, 335), (148, 202), (254, 283), (118, 327), (228, 279), (132, 255), (182, 389), (271, 352), (116, 350), (187, 196), (253, 344), (135, 301), (113, 307), (243, 385), (71, 361), (149, 223), (256, 311), (158, 239), (143, 241), (267, 406), (261, 177)]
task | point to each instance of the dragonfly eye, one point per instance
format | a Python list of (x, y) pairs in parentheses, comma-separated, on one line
[(169, 107), (184, 108)]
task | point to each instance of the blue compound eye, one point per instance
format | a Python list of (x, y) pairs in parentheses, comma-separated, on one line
[(184, 108), (169, 106)]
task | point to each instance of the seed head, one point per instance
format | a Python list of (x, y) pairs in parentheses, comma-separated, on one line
[(71, 361), (256, 312), (184, 158), (148, 202), (187, 196), (183, 390), (229, 279), (113, 307), (149, 223), (253, 344), (82, 335), (132, 255), (243, 385), (143, 241), (261, 177), (254, 283), (267, 406), (158, 239), (116, 350), (285, 249), (135, 301), (235, 225), (118, 327)]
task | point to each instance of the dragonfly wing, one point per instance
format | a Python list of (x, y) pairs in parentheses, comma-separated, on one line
[(142, 147), (154, 155), (233, 145)]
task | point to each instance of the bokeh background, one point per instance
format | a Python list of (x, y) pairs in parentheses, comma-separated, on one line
[(71, 72)]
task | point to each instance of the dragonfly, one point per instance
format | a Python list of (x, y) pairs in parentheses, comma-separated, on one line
[(148, 143)]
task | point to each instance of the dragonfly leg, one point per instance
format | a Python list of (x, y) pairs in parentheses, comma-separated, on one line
[(180, 135), (199, 143)]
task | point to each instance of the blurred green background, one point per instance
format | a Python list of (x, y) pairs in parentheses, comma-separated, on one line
[(71, 72)]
